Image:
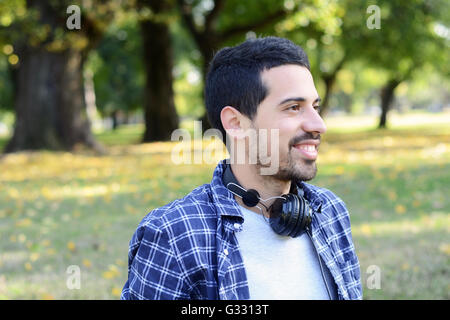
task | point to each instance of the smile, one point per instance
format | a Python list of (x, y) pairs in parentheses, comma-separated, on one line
[(308, 151)]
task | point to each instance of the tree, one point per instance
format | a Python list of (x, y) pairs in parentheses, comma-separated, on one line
[(50, 108), (159, 108), (215, 23), (404, 42), (118, 70)]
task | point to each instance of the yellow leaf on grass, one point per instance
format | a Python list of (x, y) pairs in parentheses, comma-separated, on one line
[(339, 170), (47, 296), (21, 238), (71, 246), (34, 256), (112, 272), (108, 275), (87, 263), (400, 209), (445, 248), (365, 229), (116, 292), (23, 222), (392, 195)]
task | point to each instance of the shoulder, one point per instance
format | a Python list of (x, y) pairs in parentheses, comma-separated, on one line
[(180, 216), (333, 211), (328, 198)]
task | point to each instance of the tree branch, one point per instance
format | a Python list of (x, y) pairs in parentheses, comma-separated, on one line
[(211, 18), (271, 18), (186, 14)]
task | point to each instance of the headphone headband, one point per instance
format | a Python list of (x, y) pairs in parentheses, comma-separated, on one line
[(290, 214)]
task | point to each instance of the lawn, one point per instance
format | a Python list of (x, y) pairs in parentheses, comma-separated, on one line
[(60, 209)]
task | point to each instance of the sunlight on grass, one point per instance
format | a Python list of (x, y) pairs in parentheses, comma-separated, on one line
[(438, 221), (60, 209), (397, 121)]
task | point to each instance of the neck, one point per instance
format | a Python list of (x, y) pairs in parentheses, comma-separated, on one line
[(249, 177)]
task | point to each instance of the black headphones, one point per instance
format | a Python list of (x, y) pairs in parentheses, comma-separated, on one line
[(290, 214)]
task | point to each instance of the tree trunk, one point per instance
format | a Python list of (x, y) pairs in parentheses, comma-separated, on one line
[(50, 102), (50, 105), (387, 97), (329, 83), (330, 80), (161, 117), (115, 119), (209, 39), (207, 49)]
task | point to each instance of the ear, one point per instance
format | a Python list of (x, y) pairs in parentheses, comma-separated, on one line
[(234, 122)]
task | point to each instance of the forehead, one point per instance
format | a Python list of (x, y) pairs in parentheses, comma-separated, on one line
[(289, 81)]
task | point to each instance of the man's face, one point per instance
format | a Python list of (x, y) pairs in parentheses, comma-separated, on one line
[(291, 107)]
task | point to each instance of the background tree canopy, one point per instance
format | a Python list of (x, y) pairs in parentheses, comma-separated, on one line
[(145, 60)]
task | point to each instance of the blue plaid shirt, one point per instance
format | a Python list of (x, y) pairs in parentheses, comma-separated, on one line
[(187, 249)]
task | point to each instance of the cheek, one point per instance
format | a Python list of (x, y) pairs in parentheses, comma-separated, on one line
[(287, 131), (279, 142), (277, 134)]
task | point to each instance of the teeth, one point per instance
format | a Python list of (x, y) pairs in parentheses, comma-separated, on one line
[(308, 147)]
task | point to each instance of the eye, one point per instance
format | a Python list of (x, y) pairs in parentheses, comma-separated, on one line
[(294, 107), (317, 108)]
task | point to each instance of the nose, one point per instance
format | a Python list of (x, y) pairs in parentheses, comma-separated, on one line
[(313, 122)]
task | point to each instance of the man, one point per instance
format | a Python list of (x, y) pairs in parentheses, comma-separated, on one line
[(218, 242)]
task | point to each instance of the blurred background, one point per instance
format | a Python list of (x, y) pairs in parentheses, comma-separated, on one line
[(91, 92)]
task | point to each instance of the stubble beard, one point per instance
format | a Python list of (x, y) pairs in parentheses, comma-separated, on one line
[(291, 169)]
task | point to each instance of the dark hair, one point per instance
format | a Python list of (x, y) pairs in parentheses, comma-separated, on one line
[(234, 76)]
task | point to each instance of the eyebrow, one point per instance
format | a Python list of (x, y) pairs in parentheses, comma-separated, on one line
[(297, 99)]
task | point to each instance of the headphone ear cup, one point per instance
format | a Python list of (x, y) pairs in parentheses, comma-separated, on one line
[(293, 206), (300, 218), (290, 216), (296, 216), (306, 217), (284, 215), (278, 220)]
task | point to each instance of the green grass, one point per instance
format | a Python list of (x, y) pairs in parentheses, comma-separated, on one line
[(59, 209)]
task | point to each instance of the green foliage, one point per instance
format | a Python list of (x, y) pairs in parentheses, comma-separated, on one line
[(406, 39), (188, 81), (188, 90), (6, 88), (117, 65), (240, 13), (412, 43)]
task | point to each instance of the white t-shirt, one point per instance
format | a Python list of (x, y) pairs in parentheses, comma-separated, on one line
[(279, 267)]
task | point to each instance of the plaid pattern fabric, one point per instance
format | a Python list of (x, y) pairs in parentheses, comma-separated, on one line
[(187, 249)]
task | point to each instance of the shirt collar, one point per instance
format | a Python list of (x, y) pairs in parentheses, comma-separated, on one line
[(310, 194)]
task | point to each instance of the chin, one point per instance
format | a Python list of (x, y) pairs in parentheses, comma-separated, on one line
[(290, 169), (298, 172)]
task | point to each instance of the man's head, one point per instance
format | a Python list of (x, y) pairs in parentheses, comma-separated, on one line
[(265, 83)]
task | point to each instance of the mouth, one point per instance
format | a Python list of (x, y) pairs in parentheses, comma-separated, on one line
[(308, 149)]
